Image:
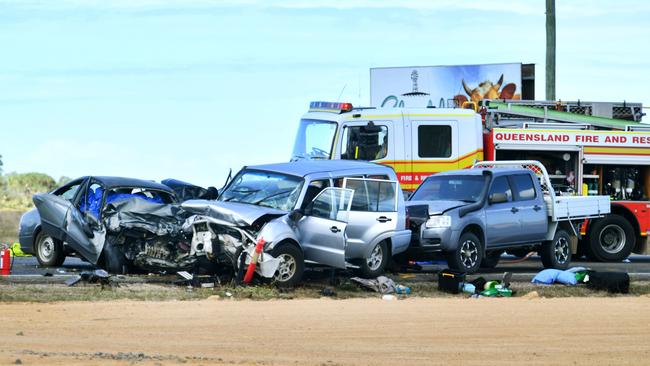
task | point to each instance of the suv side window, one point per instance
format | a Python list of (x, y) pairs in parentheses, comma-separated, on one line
[(313, 189), (524, 188), (501, 185), (372, 196)]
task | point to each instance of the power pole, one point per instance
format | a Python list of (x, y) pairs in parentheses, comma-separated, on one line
[(550, 49)]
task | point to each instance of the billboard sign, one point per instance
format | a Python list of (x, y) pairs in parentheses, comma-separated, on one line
[(443, 86)]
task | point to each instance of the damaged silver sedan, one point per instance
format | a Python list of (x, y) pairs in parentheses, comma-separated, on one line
[(116, 223), (341, 214)]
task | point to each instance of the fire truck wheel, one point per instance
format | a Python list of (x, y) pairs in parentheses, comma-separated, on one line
[(611, 239), (114, 260), (468, 254), (491, 259), (292, 265), (557, 252), (49, 251)]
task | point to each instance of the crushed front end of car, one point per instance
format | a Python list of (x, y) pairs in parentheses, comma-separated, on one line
[(150, 235), (226, 234)]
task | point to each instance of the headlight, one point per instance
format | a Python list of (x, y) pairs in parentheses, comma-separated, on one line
[(438, 221)]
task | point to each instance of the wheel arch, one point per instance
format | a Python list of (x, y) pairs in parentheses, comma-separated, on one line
[(477, 230)]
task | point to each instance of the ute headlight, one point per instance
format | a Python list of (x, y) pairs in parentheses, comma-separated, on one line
[(438, 221)]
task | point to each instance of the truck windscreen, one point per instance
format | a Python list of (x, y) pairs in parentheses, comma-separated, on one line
[(314, 140), (466, 188)]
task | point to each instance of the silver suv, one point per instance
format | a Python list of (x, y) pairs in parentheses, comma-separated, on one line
[(336, 213)]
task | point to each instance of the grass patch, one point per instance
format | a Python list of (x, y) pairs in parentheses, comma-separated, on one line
[(345, 290)]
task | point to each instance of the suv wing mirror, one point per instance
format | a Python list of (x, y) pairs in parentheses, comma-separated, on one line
[(498, 198)]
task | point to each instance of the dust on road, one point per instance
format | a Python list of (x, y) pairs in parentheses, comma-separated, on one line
[(583, 331)]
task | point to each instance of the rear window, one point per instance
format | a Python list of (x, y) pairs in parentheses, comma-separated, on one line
[(434, 141), (524, 188)]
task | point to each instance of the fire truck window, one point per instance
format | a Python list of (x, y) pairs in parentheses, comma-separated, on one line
[(524, 188), (501, 185), (369, 142), (434, 141)]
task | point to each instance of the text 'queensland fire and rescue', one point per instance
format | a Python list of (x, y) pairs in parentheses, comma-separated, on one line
[(565, 138)]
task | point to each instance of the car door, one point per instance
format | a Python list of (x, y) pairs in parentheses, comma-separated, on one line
[(82, 234), (373, 212), (322, 230), (532, 216), (53, 207), (503, 226), (63, 219)]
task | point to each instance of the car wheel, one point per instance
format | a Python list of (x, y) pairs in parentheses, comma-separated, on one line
[(292, 265), (375, 264), (49, 251), (114, 259), (557, 252), (611, 239), (491, 259), (468, 254)]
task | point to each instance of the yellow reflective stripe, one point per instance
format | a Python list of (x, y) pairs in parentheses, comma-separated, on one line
[(379, 116), (620, 150)]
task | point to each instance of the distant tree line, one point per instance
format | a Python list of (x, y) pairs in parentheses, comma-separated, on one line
[(16, 189)]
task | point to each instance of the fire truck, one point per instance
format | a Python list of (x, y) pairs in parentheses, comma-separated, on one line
[(584, 153)]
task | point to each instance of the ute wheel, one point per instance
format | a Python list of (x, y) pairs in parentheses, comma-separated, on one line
[(114, 259), (292, 265), (375, 264), (491, 259), (468, 254), (557, 252), (49, 251), (611, 239)]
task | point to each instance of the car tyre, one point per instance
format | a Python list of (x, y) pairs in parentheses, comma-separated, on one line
[(114, 259), (557, 252), (491, 259), (611, 239), (468, 254), (49, 251), (375, 264), (292, 265)]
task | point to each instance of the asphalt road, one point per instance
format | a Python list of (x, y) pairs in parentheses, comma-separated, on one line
[(27, 268)]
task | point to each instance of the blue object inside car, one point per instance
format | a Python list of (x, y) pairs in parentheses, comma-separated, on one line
[(93, 200)]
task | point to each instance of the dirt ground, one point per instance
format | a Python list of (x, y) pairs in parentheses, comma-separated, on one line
[(583, 331)]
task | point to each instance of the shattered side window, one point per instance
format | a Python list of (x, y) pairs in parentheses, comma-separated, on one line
[(68, 193)]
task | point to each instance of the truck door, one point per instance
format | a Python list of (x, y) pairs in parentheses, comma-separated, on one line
[(434, 149), (503, 226), (532, 211), (373, 212), (322, 231)]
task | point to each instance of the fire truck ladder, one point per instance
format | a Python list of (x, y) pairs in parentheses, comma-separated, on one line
[(504, 114)]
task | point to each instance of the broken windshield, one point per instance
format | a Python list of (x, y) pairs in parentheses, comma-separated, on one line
[(275, 190), (314, 140)]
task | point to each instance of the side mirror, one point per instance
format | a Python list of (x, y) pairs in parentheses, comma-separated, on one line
[(498, 198), (296, 214)]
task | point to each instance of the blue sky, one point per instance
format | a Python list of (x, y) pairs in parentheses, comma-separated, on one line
[(191, 88)]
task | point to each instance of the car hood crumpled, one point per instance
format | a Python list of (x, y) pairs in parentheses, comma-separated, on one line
[(239, 214), (136, 213), (437, 207)]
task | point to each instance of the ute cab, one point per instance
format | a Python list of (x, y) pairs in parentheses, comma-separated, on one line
[(415, 142)]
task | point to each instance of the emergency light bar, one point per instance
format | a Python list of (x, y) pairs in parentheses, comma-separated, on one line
[(330, 107)]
